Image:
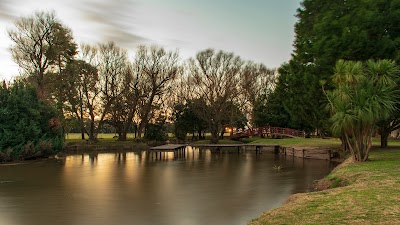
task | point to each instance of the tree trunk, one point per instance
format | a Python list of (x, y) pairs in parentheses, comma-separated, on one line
[(214, 133), (222, 134), (128, 122), (344, 144), (384, 138), (136, 131), (92, 135), (80, 117), (82, 131), (119, 127), (145, 116), (139, 133), (214, 137), (122, 136)]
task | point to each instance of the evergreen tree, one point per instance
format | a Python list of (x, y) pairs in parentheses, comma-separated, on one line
[(186, 121), (28, 127), (326, 32)]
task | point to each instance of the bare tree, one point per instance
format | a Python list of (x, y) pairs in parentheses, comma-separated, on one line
[(41, 44), (215, 78), (158, 69), (131, 101), (109, 101), (82, 94), (121, 88), (115, 76), (256, 81)]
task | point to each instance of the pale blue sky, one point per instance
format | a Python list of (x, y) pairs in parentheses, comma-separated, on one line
[(257, 30)]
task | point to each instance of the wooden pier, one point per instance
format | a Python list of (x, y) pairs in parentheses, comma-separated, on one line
[(178, 150), (308, 153)]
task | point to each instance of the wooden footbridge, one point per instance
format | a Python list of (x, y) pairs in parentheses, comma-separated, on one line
[(267, 131)]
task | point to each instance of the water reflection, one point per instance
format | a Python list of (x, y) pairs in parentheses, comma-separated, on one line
[(133, 188)]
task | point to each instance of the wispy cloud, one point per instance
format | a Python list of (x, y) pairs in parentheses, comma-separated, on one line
[(261, 30), (5, 10), (115, 19)]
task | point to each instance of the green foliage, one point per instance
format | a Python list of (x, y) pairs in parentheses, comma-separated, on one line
[(156, 131), (186, 120), (28, 126), (326, 32), (270, 111), (364, 94), (234, 116)]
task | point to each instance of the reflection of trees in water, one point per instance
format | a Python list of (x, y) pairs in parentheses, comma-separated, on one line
[(114, 187)]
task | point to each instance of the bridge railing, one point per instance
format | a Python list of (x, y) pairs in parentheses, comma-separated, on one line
[(268, 130)]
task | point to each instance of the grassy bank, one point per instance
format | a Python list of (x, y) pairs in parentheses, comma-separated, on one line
[(312, 142), (222, 141), (359, 193), (296, 142)]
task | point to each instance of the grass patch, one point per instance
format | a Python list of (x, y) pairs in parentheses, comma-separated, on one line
[(366, 193), (293, 142), (313, 142), (222, 141)]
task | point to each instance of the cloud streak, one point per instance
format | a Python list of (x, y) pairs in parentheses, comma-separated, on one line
[(260, 30), (5, 10), (115, 19)]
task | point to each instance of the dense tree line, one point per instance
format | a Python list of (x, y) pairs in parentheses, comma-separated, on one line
[(326, 32), (99, 84)]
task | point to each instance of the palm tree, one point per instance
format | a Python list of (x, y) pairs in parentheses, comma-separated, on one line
[(364, 93)]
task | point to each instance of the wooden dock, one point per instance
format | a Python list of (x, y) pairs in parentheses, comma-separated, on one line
[(178, 150)]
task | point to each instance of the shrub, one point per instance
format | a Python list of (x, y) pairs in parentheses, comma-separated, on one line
[(29, 127)]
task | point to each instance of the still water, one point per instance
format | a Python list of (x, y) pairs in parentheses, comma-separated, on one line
[(130, 188)]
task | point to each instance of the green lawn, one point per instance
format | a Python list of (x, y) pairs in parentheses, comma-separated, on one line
[(292, 142), (223, 141), (365, 193), (312, 142), (76, 137)]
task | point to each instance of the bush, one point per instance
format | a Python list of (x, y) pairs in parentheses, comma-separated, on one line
[(29, 127), (156, 132)]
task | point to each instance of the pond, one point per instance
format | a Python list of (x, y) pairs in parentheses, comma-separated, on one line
[(130, 188)]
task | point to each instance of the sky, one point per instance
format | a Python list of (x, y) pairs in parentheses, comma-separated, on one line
[(258, 30)]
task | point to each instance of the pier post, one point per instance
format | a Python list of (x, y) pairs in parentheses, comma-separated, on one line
[(276, 149), (258, 149)]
